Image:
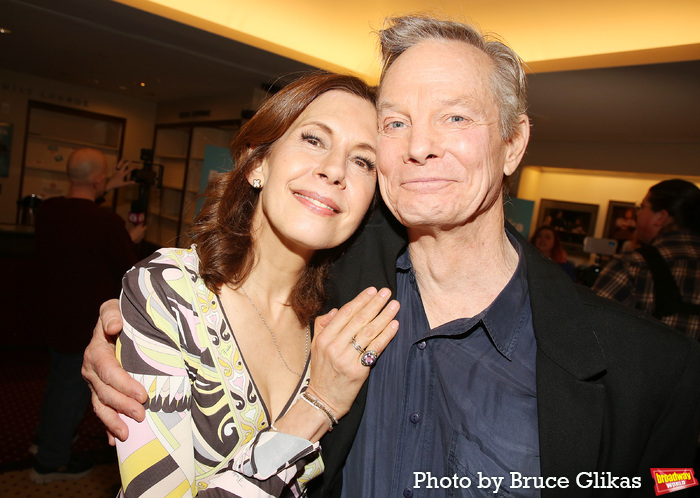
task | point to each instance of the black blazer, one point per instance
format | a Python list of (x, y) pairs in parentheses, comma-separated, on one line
[(617, 391)]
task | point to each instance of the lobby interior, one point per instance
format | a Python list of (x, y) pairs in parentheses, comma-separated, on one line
[(612, 86)]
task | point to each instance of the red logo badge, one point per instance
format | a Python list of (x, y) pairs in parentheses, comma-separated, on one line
[(670, 480)]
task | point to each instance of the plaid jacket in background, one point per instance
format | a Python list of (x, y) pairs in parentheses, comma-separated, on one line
[(627, 278)]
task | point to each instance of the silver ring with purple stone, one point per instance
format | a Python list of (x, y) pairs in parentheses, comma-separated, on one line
[(368, 358)]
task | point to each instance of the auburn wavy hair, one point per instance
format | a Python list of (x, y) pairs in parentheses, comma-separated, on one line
[(558, 253), (222, 230)]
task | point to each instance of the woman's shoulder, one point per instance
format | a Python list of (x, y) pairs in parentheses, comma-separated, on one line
[(172, 267), (174, 257)]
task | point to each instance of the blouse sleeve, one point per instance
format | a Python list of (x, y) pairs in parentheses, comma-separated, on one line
[(158, 458)]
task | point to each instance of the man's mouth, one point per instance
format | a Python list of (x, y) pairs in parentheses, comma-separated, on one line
[(426, 184)]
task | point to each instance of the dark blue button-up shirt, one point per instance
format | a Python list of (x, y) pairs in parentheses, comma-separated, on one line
[(449, 407)]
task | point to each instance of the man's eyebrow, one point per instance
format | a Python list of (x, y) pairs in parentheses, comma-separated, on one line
[(458, 101), (385, 105)]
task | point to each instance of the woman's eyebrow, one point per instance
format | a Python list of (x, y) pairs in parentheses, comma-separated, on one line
[(321, 125), (329, 130)]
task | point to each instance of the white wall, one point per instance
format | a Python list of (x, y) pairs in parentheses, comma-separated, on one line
[(17, 89), (586, 186)]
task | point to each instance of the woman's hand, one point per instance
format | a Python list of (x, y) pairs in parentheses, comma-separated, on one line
[(336, 371), (113, 390)]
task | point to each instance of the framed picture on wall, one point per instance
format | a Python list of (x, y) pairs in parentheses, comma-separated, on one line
[(620, 222), (573, 222)]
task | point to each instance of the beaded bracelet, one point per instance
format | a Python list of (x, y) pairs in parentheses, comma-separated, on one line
[(322, 408)]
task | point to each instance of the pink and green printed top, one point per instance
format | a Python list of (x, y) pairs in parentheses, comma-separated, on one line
[(207, 430)]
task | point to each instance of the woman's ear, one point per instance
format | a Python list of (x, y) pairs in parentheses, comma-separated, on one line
[(256, 176)]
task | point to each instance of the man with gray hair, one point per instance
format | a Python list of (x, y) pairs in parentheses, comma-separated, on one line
[(505, 377)]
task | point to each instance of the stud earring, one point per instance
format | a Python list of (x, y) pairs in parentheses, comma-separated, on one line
[(257, 183)]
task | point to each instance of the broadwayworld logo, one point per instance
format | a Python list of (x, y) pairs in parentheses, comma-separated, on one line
[(670, 480)]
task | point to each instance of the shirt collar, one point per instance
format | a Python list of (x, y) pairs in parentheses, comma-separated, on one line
[(503, 319)]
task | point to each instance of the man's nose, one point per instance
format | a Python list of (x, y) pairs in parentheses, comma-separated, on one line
[(423, 144)]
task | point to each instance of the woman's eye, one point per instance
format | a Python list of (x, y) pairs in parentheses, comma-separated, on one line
[(313, 140), (457, 119), (396, 124), (364, 163)]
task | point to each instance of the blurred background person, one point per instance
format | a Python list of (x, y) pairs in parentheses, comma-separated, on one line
[(546, 240), (662, 277), (82, 251)]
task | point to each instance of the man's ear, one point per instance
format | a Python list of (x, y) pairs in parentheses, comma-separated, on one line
[(515, 148), (97, 183), (662, 219)]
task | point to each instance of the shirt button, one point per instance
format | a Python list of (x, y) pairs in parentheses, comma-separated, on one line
[(422, 345), (414, 418), (408, 493)]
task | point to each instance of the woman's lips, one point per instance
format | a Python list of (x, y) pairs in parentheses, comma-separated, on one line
[(318, 201)]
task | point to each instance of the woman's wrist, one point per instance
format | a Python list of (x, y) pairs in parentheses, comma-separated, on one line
[(320, 406), (303, 420)]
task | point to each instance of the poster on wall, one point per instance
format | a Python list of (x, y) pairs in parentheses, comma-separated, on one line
[(620, 222), (519, 214), (5, 147), (216, 160), (573, 222)]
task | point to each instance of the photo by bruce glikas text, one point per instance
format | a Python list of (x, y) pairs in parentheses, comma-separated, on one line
[(584, 480)]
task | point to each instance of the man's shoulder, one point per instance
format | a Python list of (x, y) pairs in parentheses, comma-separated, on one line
[(623, 330), (678, 244), (108, 214)]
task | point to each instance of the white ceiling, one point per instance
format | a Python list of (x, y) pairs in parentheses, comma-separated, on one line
[(107, 45)]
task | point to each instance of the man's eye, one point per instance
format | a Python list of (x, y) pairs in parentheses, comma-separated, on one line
[(457, 119), (396, 124)]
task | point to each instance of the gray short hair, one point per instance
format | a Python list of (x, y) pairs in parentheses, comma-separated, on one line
[(508, 81)]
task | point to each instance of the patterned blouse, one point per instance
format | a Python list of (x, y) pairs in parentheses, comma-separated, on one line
[(206, 431)]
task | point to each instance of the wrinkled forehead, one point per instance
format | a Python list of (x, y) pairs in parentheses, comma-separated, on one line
[(442, 69)]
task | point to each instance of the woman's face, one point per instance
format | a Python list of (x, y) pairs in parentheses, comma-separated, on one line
[(319, 178), (544, 241)]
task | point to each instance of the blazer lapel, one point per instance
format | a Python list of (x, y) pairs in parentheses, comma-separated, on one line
[(570, 364)]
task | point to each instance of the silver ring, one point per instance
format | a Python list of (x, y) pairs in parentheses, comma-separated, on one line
[(368, 358), (357, 347)]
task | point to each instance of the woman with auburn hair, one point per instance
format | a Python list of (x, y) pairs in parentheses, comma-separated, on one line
[(218, 334), (546, 240)]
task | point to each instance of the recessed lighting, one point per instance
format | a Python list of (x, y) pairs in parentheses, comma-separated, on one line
[(142, 84), (5, 31)]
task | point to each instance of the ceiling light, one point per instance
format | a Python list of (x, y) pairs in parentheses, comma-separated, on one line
[(5, 31)]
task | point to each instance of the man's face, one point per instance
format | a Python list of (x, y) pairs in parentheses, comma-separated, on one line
[(441, 158), (648, 222)]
